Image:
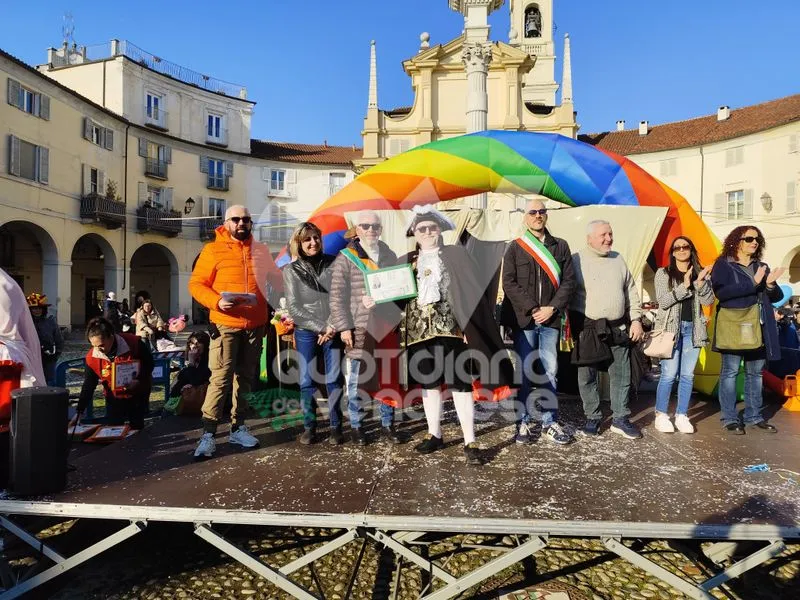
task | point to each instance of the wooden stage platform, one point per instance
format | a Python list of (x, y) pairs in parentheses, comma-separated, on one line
[(664, 486)]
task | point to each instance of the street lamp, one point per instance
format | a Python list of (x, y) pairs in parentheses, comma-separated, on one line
[(188, 206)]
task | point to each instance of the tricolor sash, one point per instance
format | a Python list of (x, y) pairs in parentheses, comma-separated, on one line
[(362, 264), (543, 257)]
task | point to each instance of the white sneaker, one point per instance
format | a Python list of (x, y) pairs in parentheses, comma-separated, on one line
[(243, 437), (206, 447), (683, 424), (663, 423)]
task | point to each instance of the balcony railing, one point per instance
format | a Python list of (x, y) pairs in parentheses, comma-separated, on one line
[(103, 210), (218, 182), (207, 227), (159, 220), (217, 140), (156, 117), (155, 168), (275, 234)]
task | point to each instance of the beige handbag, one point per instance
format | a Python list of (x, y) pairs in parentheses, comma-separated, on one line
[(659, 344)]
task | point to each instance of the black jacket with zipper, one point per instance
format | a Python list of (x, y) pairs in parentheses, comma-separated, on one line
[(526, 286), (307, 285)]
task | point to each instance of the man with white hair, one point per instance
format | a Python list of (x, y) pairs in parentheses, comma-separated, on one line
[(606, 314), (362, 324), (230, 278)]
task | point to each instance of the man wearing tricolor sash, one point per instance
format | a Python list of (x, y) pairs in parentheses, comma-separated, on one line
[(538, 282), (365, 326)]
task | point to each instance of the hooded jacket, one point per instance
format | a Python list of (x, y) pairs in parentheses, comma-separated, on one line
[(230, 265)]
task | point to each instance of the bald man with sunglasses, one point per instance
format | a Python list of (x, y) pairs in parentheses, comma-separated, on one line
[(231, 279)]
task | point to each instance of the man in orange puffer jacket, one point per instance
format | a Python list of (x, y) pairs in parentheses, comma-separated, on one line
[(242, 268)]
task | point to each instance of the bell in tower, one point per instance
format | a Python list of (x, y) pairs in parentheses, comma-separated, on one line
[(532, 31)]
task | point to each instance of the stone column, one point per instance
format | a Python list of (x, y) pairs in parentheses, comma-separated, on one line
[(476, 57)]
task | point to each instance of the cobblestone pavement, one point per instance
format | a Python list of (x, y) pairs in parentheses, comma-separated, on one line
[(168, 561)]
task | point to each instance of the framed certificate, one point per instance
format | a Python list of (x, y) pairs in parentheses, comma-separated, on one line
[(391, 283), (109, 433), (122, 373), (240, 298)]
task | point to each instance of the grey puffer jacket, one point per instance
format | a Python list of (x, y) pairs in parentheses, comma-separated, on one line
[(307, 285), (669, 306), (348, 312)]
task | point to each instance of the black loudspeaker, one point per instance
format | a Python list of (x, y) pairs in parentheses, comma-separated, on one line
[(39, 441)]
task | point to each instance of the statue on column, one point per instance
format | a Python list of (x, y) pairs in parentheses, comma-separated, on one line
[(533, 22)]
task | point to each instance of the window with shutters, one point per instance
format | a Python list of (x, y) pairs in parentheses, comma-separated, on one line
[(154, 112), (215, 129), (216, 208), (155, 197), (734, 156), (217, 174), (156, 160), (669, 168), (97, 134), (277, 180), (28, 100), (94, 181), (791, 198), (736, 204), (28, 161), (336, 181)]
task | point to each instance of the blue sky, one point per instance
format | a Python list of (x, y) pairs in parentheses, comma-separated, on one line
[(306, 63)]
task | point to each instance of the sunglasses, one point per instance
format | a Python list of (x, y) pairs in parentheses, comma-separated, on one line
[(681, 247), (749, 239), (368, 226), (245, 220), (534, 212), (427, 228)]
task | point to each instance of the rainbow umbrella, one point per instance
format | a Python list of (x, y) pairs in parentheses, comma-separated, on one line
[(515, 162)]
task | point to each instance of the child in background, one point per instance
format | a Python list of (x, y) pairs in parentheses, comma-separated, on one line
[(193, 378)]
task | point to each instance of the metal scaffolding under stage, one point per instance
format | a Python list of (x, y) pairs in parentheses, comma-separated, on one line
[(608, 488)]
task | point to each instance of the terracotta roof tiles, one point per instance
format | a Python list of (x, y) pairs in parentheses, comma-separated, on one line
[(321, 154), (699, 131)]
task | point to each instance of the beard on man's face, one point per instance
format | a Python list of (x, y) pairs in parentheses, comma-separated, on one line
[(242, 234)]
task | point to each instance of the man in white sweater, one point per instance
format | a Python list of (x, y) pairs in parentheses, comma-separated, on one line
[(606, 290)]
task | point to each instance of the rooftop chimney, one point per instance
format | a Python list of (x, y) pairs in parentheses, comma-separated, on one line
[(723, 113), (644, 127), (620, 125)]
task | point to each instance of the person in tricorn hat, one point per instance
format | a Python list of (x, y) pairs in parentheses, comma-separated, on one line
[(450, 318), (50, 339)]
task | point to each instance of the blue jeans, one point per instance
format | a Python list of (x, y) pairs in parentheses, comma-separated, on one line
[(533, 400), (752, 389), (619, 379), (307, 347), (354, 400), (684, 358)]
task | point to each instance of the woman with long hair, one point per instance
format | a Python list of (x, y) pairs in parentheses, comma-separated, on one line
[(741, 280), (196, 372), (307, 281), (682, 288)]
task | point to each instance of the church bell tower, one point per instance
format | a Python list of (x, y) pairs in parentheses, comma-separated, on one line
[(532, 32)]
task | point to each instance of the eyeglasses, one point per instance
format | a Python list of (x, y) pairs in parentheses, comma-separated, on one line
[(749, 239), (245, 220), (541, 211), (681, 248), (368, 226), (427, 228)]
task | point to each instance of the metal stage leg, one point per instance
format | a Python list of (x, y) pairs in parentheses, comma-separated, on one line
[(412, 556), (73, 561), (31, 540), (335, 544), (491, 568), (257, 566), (747, 563), (688, 588)]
